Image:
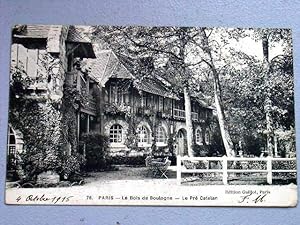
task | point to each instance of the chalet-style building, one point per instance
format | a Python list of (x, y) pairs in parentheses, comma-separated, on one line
[(144, 108), (138, 115)]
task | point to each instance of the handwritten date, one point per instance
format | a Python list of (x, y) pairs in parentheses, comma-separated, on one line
[(45, 199)]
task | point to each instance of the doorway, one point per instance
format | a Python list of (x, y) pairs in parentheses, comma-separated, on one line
[(181, 142)]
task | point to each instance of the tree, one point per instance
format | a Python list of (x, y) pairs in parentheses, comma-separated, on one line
[(268, 38), (207, 49), (245, 90)]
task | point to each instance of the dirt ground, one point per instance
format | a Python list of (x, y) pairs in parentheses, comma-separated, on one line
[(128, 173), (142, 174)]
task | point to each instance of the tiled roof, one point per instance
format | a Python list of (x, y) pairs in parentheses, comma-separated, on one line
[(75, 34), (81, 35), (153, 86), (78, 34), (33, 31), (108, 66)]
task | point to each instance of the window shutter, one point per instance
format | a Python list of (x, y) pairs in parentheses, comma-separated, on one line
[(41, 65), (22, 57), (32, 59), (14, 55)]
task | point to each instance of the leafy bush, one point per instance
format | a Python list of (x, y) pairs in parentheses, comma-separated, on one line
[(11, 164), (127, 160), (287, 142), (14, 167), (96, 148), (253, 144), (39, 121), (34, 163), (47, 127), (284, 165), (161, 151), (201, 165), (71, 164), (201, 150)]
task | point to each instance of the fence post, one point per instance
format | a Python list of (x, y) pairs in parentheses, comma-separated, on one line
[(225, 174), (178, 169), (269, 170)]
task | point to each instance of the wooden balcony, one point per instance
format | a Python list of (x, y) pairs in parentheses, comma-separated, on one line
[(179, 114)]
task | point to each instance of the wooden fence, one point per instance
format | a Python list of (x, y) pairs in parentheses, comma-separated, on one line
[(227, 165)]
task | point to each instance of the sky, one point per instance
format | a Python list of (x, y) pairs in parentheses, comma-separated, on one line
[(251, 47)]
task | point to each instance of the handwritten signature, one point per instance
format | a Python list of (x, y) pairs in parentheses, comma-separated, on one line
[(256, 198)]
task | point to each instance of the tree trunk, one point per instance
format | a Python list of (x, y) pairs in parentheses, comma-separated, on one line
[(228, 144), (222, 123), (187, 97), (188, 122), (268, 102)]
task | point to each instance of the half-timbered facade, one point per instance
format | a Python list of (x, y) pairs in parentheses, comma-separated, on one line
[(139, 113)]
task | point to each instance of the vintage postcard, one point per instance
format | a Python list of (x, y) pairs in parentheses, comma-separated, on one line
[(169, 116)]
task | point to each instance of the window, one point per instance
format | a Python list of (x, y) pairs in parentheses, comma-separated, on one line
[(92, 123), (193, 107), (207, 137), (70, 62), (83, 127), (115, 133), (161, 136), (117, 94), (167, 105), (150, 101), (199, 137), (143, 100), (143, 135), (11, 148), (11, 143), (112, 94), (160, 103), (120, 96), (179, 104)]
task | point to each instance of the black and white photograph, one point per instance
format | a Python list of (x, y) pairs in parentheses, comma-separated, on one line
[(140, 115)]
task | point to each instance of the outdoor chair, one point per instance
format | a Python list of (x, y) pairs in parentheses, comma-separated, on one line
[(157, 167), (149, 166)]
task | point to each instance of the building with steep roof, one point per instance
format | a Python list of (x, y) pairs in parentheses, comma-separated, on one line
[(140, 114), (82, 91)]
